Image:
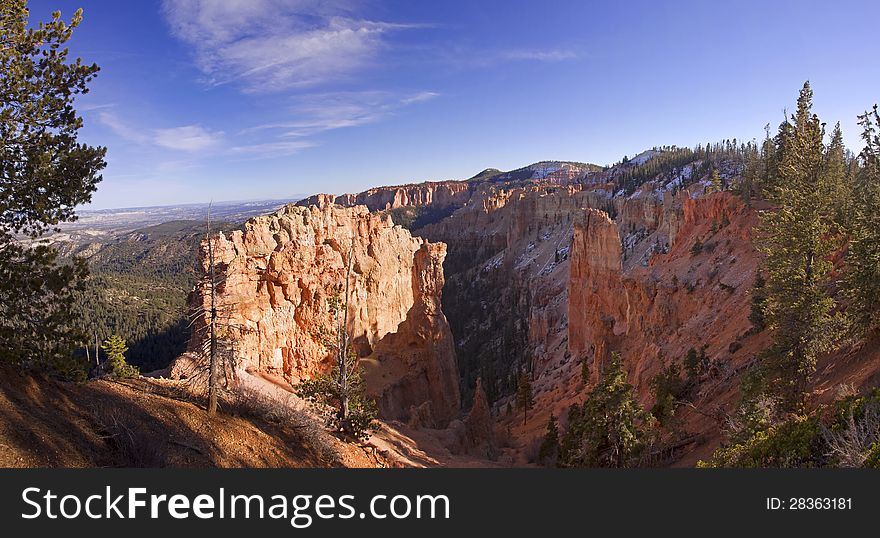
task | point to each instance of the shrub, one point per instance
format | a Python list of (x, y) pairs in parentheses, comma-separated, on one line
[(134, 446), (610, 429), (759, 297), (668, 389), (854, 435), (326, 394), (696, 364), (115, 348), (549, 450), (797, 442)]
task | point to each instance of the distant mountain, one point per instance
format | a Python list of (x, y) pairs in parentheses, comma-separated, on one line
[(550, 171)]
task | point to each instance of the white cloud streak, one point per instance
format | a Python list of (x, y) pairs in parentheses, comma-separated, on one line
[(186, 138), (276, 45), (539, 55), (317, 113)]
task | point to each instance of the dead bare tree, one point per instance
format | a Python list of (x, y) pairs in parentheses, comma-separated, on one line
[(851, 443), (212, 320), (342, 347), (212, 324), (340, 395)]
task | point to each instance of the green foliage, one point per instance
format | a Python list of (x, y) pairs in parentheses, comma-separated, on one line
[(862, 280), (549, 450), (697, 247), (326, 394), (115, 348), (715, 183), (873, 459), (756, 410), (610, 429), (759, 297), (585, 371), (750, 182), (150, 313), (845, 435), (340, 395), (138, 289), (524, 398), (836, 173), (796, 241), (696, 364), (669, 389), (796, 442), (44, 174)]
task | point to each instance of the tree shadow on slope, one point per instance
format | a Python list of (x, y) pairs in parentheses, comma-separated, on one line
[(45, 423)]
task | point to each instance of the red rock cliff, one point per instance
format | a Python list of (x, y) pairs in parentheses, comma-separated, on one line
[(277, 275)]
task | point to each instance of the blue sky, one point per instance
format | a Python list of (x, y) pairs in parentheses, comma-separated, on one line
[(256, 99)]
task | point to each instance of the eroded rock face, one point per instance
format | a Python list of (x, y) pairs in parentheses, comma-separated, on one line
[(277, 278), (682, 297), (438, 194)]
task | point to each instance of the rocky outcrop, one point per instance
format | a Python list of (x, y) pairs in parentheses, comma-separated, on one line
[(598, 307), (437, 194), (680, 298), (279, 275), (479, 425)]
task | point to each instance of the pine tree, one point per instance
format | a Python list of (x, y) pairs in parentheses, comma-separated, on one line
[(44, 174), (696, 364), (836, 178), (524, 397), (585, 371), (610, 429), (751, 178), (767, 163), (795, 239), (549, 449), (340, 395), (759, 297), (715, 183), (115, 348), (863, 275)]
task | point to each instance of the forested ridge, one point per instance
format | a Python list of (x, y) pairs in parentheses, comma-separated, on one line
[(138, 289)]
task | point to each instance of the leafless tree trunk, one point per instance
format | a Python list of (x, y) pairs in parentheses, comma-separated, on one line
[(342, 347), (212, 321)]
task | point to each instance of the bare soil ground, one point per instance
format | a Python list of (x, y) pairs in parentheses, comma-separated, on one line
[(148, 423)]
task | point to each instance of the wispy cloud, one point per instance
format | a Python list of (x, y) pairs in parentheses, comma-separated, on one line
[(122, 129), (272, 149), (539, 55), (273, 45), (418, 98), (89, 107), (186, 138), (320, 112)]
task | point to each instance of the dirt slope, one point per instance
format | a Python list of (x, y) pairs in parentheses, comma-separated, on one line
[(46, 423)]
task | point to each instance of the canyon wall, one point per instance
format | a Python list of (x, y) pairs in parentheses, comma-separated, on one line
[(437, 194), (654, 312), (278, 275)]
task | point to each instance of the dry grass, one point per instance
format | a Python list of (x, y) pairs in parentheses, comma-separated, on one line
[(133, 446), (289, 412)]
